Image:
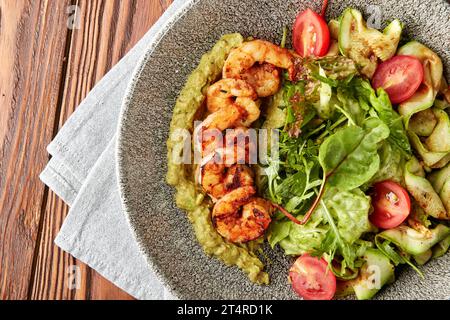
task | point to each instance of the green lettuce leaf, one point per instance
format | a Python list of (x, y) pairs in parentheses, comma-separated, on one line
[(335, 227), (334, 242), (300, 238), (351, 211), (392, 165), (351, 106), (279, 230), (380, 102), (324, 106), (349, 158), (393, 120)]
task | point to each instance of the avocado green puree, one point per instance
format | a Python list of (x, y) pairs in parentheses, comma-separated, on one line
[(187, 196)]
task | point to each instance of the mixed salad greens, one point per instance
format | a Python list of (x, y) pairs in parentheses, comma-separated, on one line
[(367, 183)]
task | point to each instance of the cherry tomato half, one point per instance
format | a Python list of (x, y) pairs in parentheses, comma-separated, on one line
[(311, 278), (400, 76), (311, 35), (391, 205)]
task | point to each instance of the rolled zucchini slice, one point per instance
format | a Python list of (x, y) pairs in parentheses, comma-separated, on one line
[(334, 25), (445, 195), (441, 248), (422, 190), (423, 123), (439, 140), (366, 45), (414, 242), (374, 274), (430, 60), (439, 178), (432, 159), (423, 258), (427, 92)]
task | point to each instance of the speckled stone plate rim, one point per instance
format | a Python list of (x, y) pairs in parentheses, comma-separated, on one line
[(120, 150), (179, 11)]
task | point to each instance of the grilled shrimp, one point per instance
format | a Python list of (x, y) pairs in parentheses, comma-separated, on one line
[(249, 111), (265, 78), (208, 135), (239, 217), (250, 71), (224, 168), (240, 146), (224, 118), (232, 103), (223, 93), (248, 54), (242, 113), (218, 180)]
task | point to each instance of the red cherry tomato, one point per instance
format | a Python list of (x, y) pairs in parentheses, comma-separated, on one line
[(311, 35), (400, 76), (311, 278), (391, 205)]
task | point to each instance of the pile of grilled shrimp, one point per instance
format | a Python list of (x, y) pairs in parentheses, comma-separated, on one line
[(251, 71)]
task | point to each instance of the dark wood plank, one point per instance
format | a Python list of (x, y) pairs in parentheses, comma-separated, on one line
[(109, 29), (33, 36)]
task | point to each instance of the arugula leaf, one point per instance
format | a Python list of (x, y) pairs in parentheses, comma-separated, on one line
[(291, 178), (394, 121), (385, 247), (349, 158), (293, 185)]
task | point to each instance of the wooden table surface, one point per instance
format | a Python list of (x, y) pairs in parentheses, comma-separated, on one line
[(46, 70)]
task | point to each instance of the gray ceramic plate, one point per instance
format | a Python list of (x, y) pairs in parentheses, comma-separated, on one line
[(163, 231)]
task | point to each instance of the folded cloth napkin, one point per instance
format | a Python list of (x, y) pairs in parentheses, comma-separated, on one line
[(82, 172)]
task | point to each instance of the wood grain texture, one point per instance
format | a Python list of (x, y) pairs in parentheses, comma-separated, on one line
[(32, 42), (109, 29)]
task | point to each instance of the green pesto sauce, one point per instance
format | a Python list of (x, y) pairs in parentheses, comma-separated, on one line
[(187, 196)]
